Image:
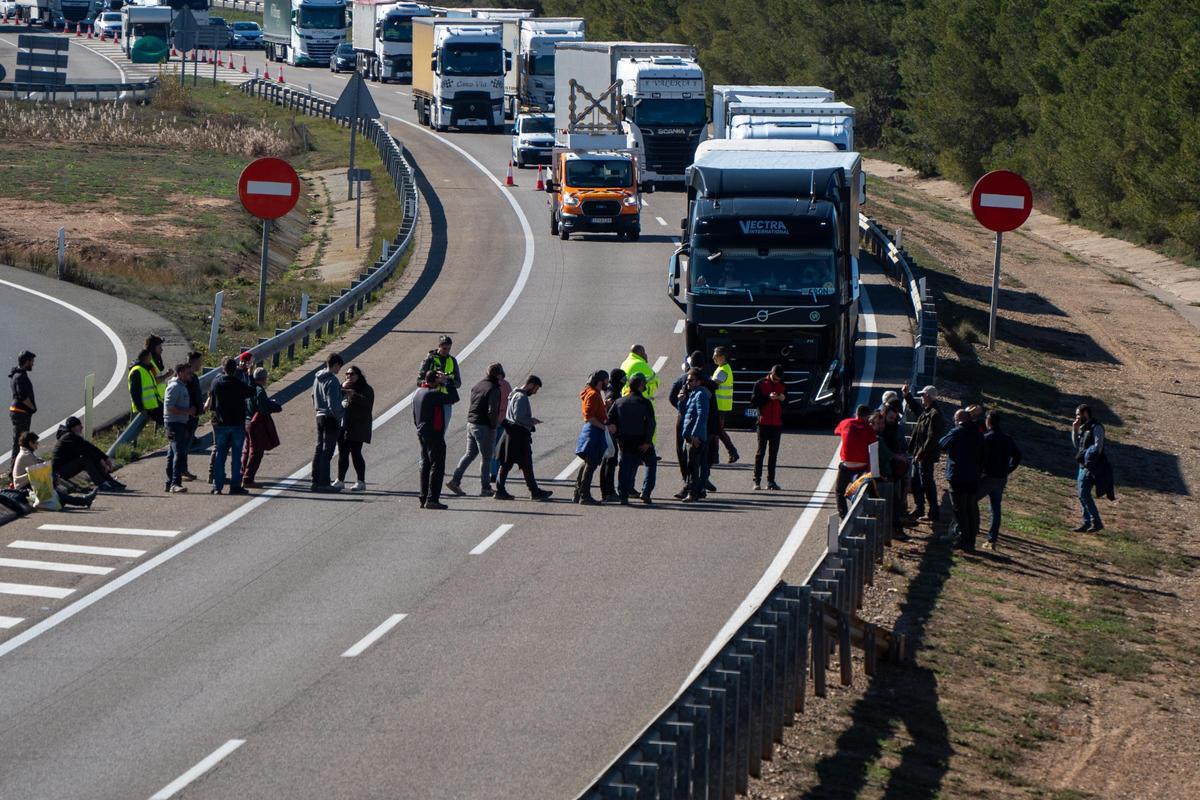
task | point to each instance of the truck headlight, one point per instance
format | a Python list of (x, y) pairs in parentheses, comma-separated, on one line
[(570, 200), (630, 201)]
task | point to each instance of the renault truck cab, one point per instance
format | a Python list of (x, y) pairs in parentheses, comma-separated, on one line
[(595, 191)]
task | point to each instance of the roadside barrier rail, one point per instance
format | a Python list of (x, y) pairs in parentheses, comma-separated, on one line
[(362, 289), (139, 91)]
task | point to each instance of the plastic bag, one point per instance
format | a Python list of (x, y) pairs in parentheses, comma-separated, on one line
[(41, 488), (610, 447)]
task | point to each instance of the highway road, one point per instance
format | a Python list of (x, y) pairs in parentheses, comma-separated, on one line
[(355, 646), (74, 331), (83, 63)]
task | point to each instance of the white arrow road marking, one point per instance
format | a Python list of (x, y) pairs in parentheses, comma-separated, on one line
[(1002, 201), (273, 188)]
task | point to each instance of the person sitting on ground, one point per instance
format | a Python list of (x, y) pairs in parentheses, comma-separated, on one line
[(74, 454), (27, 459)]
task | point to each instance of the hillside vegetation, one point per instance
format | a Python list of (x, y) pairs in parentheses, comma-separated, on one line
[(1094, 100)]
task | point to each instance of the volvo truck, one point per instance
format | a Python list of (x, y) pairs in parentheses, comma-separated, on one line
[(538, 39), (782, 112), (768, 266), (459, 66), (662, 97), (303, 33), (382, 33)]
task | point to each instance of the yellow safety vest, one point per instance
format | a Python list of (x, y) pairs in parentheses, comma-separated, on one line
[(448, 366), (152, 393), (636, 365), (723, 377)]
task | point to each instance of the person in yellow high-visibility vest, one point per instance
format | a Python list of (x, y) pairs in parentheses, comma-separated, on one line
[(723, 378), (636, 363), (146, 394)]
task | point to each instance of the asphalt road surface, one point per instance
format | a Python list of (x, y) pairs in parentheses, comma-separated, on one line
[(258, 649), (83, 63)]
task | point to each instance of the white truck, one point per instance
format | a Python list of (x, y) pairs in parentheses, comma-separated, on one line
[(782, 112), (509, 20), (662, 97), (537, 39), (382, 35), (303, 33), (458, 73)]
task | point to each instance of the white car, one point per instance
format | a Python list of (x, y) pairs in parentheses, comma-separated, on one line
[(106, 22), (532, 139)]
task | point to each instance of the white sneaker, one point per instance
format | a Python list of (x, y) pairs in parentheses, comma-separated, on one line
[(358, 486), (178, 489), (338, 485)]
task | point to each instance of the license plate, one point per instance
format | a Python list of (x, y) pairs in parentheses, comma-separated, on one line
[(602, 220), (752, 413), (468, 123)]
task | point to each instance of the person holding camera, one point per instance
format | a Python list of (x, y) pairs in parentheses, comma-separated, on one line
[(430, 408)]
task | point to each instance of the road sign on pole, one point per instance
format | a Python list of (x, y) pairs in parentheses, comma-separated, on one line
[(354, 103), (269, 189), (1001, 201)]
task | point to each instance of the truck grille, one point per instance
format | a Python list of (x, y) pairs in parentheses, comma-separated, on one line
[(321, 51), (670, 155), (601, 208)]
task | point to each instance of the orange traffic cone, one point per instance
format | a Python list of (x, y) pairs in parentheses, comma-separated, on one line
[(78, 30), (281, 80), (203, 56), (541, 181), (267, 73), (173, 53), (89, 35), (508, 179), (245, 70)]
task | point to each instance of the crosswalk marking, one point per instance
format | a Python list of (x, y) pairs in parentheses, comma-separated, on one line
[(8, 622), (53, 566), (55, 547), (103, 529), (29, 590)]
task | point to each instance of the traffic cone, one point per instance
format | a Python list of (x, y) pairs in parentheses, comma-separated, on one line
[(78, 29), (508, 179), (267, 73), (203, 56), (173, 53), (89, 35), (245, 69), (541, 181), (281, 80)]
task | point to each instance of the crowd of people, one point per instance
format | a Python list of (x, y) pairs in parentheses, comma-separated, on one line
[(618, 436)]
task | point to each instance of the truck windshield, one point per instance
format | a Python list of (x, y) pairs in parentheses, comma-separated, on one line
[(472, 59), (658, 112), (596, 174), (763, 271), (542, 65), (194, 5), (140, 29), (537, 125), (397, 29), (321, 18)]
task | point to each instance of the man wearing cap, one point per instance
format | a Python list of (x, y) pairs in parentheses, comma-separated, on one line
[(440, 360), (857, 436), (923, 447), (22, 407), (146, 394)]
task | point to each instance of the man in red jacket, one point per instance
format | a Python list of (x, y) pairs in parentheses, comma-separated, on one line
[(857, 435), (769, 396)]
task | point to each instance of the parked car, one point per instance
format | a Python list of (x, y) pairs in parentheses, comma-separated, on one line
[(245, 34), (106, 22), (344, 59)]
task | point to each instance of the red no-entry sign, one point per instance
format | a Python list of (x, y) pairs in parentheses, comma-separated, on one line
[(1001, 201), (269, 188)]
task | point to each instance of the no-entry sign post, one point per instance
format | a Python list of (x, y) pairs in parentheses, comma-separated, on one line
[(268, 188), (1001, 201)]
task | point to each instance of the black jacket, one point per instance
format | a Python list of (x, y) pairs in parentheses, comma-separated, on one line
[(429, 414), (634, 417), (923, 444), (229, 396), (71, 446), (678, 394), (485, 404), (22, 390), (359, 403), (1000, 454)]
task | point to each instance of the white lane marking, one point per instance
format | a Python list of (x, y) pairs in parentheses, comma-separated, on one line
[(9, 622), (102, 529), (661, 221), (658, 365), (28, 590), (54, 566), (182, 546), (120, 71), (645, 203), (675, 241), (209, 761), (1002, 201), (406, 94), (374, 636), (571, 469), (492, 538), (273, 188), (113, 382), (680, 325), (81, 549)]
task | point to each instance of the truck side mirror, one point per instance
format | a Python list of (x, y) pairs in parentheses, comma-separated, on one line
[(551, 187), (673, 276), (507, 61), (683, 223), (295, 16), (433, 65)]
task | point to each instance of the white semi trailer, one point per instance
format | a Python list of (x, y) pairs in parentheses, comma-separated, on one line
[(382, 36), (782, 112)]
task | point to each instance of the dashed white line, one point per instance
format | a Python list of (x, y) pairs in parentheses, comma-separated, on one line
[(374, 636), (492, 538), (209, 761), (658, 365), (661, 221), (103, 529), (570, 471), (54, 566), (82, 549), (406, 94), (9, 622), (680, 325), (28, 590)]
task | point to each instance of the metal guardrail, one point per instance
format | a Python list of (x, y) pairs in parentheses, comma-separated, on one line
[(137, 90), (362, 289)]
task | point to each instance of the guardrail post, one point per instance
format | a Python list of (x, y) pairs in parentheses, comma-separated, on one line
[(820, 650), (843, 627), (739, 668), (775, 680), (755, 649)]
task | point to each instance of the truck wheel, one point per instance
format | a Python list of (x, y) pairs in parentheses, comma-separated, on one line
[(553, 224), (635, 235), (563, 233)]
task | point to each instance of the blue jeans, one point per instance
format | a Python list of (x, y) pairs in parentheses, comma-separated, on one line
[(1085, 484), (993, 490), (481, 440), (179, 437), (632, 458), (229, 439)]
